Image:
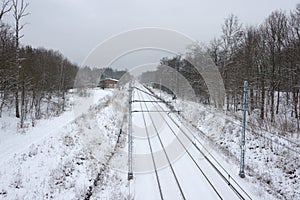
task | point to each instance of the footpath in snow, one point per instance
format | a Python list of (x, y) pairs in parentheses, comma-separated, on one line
[(12, 141), (61, 158)]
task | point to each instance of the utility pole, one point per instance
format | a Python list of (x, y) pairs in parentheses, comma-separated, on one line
[(242, 162), (130, 173)]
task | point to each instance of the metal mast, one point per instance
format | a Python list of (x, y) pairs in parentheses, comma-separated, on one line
[(242, 162), (130, 173)]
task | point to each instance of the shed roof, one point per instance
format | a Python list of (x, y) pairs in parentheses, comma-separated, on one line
[(109, 79)]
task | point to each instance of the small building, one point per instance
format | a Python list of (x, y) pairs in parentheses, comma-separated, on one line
[(108, 83)]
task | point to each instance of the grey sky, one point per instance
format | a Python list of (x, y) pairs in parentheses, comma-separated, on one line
[(75, 27)]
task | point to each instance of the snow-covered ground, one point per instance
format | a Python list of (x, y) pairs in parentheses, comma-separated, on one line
[(82, 154), (272, 161), (60, 158), (195, 175), (14, 140)]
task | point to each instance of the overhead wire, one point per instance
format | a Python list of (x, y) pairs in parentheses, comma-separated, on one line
[(168, 159), (224, 178), (186, 150), (153, 160)]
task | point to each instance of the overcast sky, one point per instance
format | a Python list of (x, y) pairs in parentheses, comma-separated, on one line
[(75, 27)]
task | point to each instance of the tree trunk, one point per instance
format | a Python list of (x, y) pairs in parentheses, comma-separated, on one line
[(251, 99), (295, 98), (3, 97), (272, 104), (278, 99), (17, 102), (18, 14), (262, 105), (287, 97), (22, 101)]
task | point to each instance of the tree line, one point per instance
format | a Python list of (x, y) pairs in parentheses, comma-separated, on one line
[(90, 77), (266, 55), (34, 81)]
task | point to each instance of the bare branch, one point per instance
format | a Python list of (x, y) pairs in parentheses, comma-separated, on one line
[(19, 12), (5, 8), (22, 26)]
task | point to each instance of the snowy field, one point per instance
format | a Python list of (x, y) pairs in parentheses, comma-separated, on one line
[(60, 158), (82, 154)]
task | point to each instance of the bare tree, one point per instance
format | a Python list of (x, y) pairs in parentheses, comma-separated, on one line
[(6, 38), (248, 62), (214, 50), (231, 40), (275, 37), (6, 59), (294, 60), (19, 11)]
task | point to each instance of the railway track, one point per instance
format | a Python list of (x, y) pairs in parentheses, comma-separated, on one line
[(194, 173)]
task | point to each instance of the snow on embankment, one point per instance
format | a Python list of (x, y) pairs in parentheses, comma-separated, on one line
[(271, 161), (65, 164)]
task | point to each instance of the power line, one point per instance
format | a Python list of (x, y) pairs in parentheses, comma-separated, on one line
[(167, 157), (153, 161), (224, 178), (266, 137), (190, 156), (254, 132)]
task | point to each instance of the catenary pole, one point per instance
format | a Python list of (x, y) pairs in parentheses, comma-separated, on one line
[(130, 173), (242, 161)]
